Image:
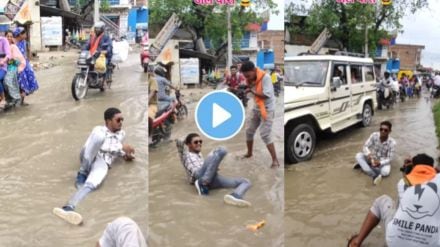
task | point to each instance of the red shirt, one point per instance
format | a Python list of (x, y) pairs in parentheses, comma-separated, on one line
[(234, 81)]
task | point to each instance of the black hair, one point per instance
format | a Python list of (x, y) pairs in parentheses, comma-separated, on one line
[(9, 31), (190, 137), (110, 113), (423, 159), (233, 67), (387, 123), (247, 66)]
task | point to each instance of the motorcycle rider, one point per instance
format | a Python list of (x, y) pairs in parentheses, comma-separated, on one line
[(235, 79), (386, 82), (164, 100), (98, 43)]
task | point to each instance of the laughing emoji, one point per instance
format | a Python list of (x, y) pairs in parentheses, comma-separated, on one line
[(386, 2)]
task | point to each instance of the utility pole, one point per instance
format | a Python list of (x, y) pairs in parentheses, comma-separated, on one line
[(96, 11), (366, 40), (229, 61)]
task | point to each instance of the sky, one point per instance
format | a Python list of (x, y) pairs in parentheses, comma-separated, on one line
[(277, 21), (422, 28)]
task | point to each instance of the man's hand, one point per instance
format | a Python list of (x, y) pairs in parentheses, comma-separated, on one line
[(129, 152), (376, 163)]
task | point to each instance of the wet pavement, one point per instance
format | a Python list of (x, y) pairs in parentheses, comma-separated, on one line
[(178, 216), (327, 201), (40, 146)]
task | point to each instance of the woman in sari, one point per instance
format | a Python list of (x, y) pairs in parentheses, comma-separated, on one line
[(16, 66), (26, 79)]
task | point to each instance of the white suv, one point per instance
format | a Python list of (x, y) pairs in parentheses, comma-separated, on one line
[(324, 92)]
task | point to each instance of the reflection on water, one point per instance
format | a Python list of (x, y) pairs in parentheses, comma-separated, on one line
[(179, 217), (40, 147), (326, 201)]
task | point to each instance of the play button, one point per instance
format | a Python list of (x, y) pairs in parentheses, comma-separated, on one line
[(219, 115)]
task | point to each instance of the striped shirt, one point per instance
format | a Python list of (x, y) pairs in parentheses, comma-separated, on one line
[(384, 151), (192, 163)]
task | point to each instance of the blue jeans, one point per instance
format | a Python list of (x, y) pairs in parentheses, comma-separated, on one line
[(2, 76), (383, 170), (207, 174)]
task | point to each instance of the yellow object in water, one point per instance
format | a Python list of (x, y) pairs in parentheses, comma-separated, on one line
[(255, 227), (245, 3)]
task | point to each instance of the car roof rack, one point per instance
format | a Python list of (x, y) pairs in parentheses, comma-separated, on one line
[(351, 54)]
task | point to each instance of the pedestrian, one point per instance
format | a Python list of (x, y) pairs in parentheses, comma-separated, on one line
[(5, 54), (16, 66), (27, 81), (378, 152), (203, 173), (122, 232), (416, 220), (103, 146), (263, 114)]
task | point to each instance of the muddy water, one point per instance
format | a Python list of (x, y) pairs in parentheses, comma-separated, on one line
[(326, 201), (180, 217), (40, 147)]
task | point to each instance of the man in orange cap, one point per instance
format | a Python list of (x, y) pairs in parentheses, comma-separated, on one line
[(416, 219)]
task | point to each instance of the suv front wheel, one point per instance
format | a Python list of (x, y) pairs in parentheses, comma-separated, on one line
[(301, 143), (367, 114)]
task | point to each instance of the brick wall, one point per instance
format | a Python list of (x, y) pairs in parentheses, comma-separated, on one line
[(273, 40), (409, 55)]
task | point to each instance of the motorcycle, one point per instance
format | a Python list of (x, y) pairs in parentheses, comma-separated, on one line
[(435, 91), (88, 76), (72, 43), (166, 117), (145, 57), (163, 124), (385, 97), (240, 92)]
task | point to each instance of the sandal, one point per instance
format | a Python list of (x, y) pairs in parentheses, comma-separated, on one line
[(351, 239)]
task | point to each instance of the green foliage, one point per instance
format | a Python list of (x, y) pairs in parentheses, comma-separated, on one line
[(436, 111), (347, 22), (105, 5), (209, 21)]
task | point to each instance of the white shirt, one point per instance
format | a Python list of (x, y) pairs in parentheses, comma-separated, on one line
[(417, 219), (437, 80), (109, 144)]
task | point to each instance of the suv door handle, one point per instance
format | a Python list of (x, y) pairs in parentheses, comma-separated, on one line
[(347, 88)]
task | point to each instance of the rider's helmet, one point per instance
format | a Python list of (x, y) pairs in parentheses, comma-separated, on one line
[(99, 28), (160, 71)]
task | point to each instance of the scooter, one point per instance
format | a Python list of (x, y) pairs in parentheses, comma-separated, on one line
[(145, 56), (163, 124), (385, 97), (240, 92), (435, 91)]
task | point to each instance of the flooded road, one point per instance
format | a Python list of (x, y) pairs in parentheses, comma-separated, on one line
[(326, 200), (40, 146), (178, 216)]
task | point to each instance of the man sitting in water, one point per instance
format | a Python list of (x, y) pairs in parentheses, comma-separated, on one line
[(203, 173), (375, 160), (103, 146), (416, 219)]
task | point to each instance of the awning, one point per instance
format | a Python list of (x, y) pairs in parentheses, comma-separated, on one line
[(46, 10)]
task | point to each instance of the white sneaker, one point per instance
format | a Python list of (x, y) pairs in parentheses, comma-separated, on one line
[(377, 179), (72, 217), (231, 200)]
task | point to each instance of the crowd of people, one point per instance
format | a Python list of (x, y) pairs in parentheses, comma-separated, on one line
[(17, 78)]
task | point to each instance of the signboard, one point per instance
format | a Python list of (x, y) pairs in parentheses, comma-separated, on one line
[(52, 31), (189, 70)]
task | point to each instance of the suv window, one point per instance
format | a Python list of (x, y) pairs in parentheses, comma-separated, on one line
[(339, 70), (356, 73), (305, 73), (369, 73)]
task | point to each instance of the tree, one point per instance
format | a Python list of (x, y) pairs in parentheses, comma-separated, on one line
[(347, 22), (207, 21)]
